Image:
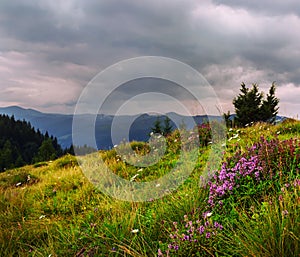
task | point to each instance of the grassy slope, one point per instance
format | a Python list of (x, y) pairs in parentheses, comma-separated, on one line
[(56, 211)]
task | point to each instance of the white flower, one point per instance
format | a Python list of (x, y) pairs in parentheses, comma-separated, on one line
[(157, 185), (230, 129), (42, 216), (18, 184), (208, 214), (133, 178), (134, 231)]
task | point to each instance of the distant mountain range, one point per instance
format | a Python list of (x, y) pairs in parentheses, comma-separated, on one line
[(60, 125)]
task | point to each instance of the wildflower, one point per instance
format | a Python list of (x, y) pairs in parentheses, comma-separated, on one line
[(207, 235), (208, 214), (159, 253), (201, 229), (285, 213), (92, 225), (134, 177), (186, 237), (18, 184), (42, 216), (296, 182), (134, 231), (218, 225)]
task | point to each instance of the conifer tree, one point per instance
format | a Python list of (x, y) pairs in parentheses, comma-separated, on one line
[(250, 105), (247, 105), (167, 126), (157, 127), (269, 107)]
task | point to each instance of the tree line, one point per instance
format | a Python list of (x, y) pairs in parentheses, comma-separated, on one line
[(21, 144)]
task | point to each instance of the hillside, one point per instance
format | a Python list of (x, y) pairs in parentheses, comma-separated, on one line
[(22, 144), (249, 208)]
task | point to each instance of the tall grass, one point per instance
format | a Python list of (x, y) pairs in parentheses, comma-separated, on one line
[(52, 208)]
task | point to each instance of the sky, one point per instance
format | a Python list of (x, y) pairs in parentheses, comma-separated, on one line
[(51, 50)]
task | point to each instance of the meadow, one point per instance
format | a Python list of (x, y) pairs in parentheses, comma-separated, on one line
[(249, 207)]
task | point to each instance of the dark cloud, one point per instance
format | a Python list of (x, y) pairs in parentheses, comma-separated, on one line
[(64, 44), (270, 7)]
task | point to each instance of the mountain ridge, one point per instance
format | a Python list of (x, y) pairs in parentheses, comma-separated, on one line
[(60, 125)]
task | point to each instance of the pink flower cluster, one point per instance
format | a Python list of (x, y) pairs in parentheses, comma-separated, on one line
[(226, 179)]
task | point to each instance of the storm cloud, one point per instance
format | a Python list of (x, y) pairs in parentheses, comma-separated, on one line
[(50, 50)]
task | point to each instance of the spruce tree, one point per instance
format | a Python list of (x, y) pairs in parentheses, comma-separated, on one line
[(247, 105), (157, 129), (46, 151), (167, 126), (250, 105), (269, 107)]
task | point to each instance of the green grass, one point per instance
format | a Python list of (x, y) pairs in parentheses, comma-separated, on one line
[(52, 209)]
